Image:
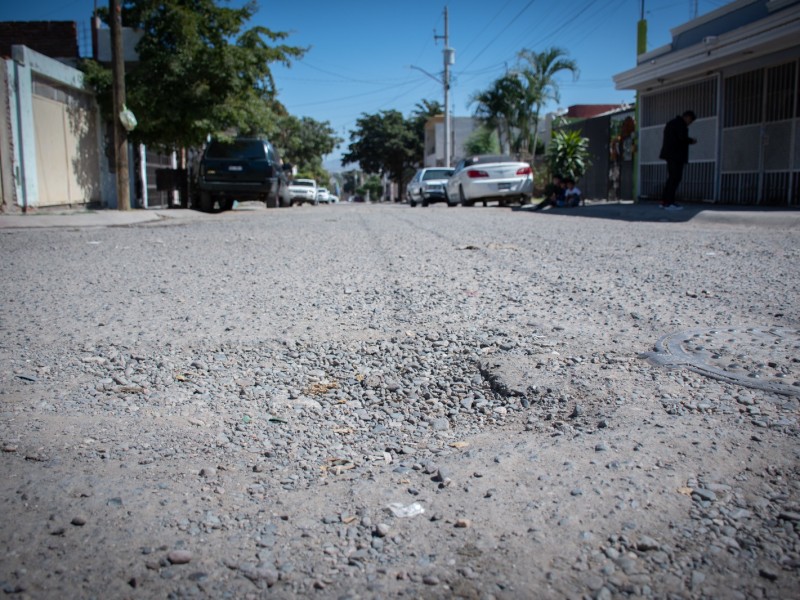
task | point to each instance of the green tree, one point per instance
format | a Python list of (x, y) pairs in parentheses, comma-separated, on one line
[(384, 143), (497, 108), (200, 72), (482, 141), (303, 142), (372, 188), (538, 71), (568, 154)]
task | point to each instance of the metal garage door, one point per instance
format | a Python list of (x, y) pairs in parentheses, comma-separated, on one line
[(67, 160)]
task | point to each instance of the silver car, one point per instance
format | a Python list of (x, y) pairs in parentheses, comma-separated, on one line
[(428, 186), (490, 177)]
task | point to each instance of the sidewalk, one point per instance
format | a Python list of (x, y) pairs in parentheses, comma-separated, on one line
[(102, 218)]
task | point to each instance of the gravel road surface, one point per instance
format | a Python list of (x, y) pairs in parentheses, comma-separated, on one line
[(375, 401)]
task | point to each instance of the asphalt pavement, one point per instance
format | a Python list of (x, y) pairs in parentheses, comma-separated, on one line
[(783, 218)]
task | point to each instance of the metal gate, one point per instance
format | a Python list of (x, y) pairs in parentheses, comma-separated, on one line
[(657, 108), (759, 137)]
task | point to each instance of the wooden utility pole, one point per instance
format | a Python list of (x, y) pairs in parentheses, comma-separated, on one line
[(120, 134)]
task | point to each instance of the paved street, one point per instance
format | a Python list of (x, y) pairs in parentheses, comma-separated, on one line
[(372, 401)]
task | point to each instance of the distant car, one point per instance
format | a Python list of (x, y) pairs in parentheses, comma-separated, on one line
[(488, 177), (240, 169), (428, 186), (323, 195), (302, 191), (333, 198)]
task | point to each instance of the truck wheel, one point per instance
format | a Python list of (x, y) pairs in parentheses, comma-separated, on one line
[(225, 204), (206, 202), (271, 201), (424, 201)]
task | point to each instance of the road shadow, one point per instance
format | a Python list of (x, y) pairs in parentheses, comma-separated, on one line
[(652, 212)]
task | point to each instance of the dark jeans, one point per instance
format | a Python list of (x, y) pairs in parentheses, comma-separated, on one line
[(674, 176)]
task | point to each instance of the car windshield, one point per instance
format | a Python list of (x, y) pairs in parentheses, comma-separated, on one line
[(249, 149), (437, 174), (304, 183)]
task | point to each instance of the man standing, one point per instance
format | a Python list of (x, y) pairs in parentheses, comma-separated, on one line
[(675, 150)]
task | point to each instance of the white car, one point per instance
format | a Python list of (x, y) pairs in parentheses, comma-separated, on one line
[(323, 195), (428, 186), (488, 177), (333, 199), (302, 191)]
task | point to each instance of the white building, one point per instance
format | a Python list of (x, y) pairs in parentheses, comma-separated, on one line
[(460, 130), (738, 69)]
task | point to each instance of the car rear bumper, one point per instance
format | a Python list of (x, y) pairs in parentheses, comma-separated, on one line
[(498, 188), (239, 189)]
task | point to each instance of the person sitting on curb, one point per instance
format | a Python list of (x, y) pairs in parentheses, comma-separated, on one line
[(572, 195), (553, 194)]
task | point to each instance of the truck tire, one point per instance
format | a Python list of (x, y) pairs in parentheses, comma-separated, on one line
[(206, 202)]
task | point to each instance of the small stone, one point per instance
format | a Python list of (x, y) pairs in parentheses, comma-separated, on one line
[(78, 521), (768, 573), (463, 523), (647, 543), (704, 495), (179, 557), (381, 530), (430, 580)]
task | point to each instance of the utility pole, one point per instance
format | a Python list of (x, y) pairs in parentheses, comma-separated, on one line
[(641, 48), (449, 59), (120, 134)]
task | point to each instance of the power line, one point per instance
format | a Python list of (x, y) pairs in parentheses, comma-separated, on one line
[(502, 31)]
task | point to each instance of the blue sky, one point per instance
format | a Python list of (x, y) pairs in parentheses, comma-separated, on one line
[(361, 51)]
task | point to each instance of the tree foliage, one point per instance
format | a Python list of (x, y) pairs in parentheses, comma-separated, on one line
[(200, 72), (388, 143), (513, 103), (568, 154), (303, 142), (539, 70), (482, 141), (384, 143)]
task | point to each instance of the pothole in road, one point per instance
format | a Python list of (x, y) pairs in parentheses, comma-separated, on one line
[(765, 358)]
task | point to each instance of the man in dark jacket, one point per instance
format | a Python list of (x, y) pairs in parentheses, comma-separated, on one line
[(675, 150)]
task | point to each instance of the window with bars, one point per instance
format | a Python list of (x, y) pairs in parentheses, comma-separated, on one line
[(701, 97)]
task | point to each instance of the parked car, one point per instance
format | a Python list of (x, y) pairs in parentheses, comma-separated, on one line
[(241, 169), (302, 191), (323, 195), (333, 199), (428, 186), (489, 177)]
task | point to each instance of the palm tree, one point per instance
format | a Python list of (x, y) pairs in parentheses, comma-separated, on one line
[(498, 106), (538, 70)]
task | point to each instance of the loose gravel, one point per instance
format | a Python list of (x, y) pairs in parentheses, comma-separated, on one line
[(372, 401)]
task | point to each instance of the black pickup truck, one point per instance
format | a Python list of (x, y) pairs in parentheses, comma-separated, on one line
[(241, 169)]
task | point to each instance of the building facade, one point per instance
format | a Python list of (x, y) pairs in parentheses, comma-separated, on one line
[(738, 69), (460, 130)]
